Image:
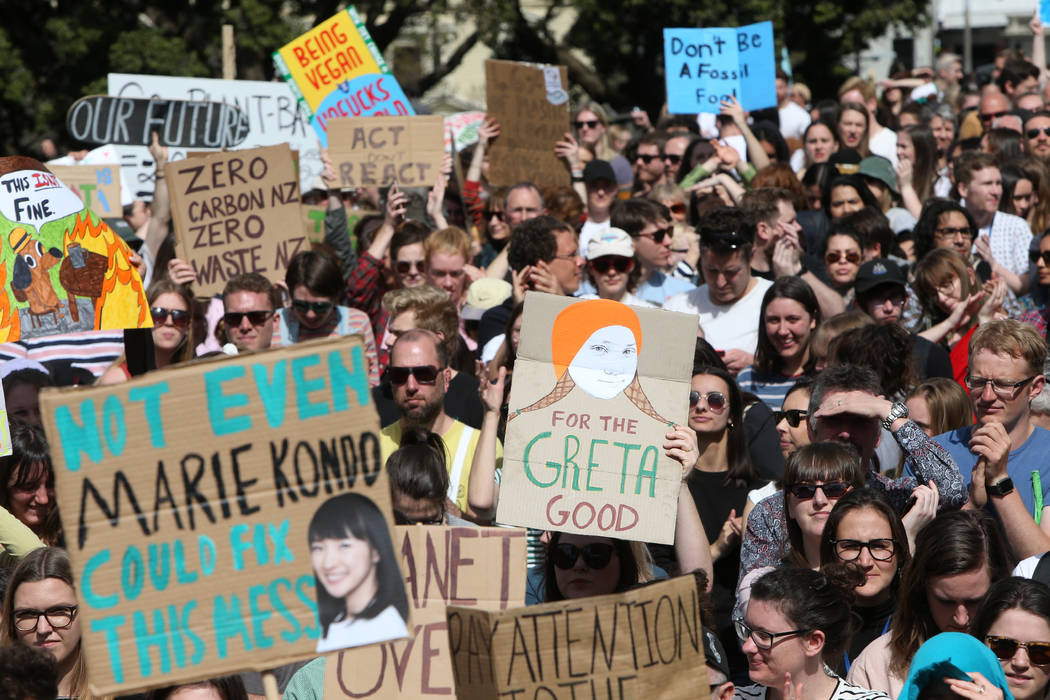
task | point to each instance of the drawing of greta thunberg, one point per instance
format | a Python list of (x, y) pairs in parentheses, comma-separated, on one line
[(595, 346)]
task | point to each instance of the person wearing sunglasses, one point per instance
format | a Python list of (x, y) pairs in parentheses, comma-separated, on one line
[(599, 181), (649, 165), (648, 223), (797, 623), (41, 612), (249, 305), (843, 254), (1037, 134), (1014, 622), (791, 419), (951, 666), (612, 269)]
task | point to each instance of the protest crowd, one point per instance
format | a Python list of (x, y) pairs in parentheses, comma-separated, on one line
[(860, 501)]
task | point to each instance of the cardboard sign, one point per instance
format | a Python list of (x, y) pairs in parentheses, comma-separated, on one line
[(187, 496), (472, 567), (273, 118), (596, 386), (645, 643), (461, 130), (97, 185), (236, 212), (337, 71), (704, 66), (385, 150), (62, 269), (131, 121), (313, 221), (530, 103)]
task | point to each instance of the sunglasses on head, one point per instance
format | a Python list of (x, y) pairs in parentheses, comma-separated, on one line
[(601, 265), (1037, 255), (851, 257), (403, 267), (1032, 133), (596, 555), (256, 318), (424, 374), (716, 400), (318, 307), (659, 235), (1005, 648), (793, 417), (832, 490), (589, 123), (179, 318)]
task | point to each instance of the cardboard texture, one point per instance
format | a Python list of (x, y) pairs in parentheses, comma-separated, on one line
[(98, 186), (186, 497), (645, 643), (131, 121), (596, 386), (236, 212), (530, 103), (336, 70), (481, 568), (62, 269), (385, 150), (313, 221)]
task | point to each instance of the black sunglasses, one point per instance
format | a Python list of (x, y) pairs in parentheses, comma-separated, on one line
[(424, 374), (659, 235), (832, 489), (716, 400), (1036, 255), (403, 267), (672, 159), (647, 159), (256, 318), (621, 264), (318, 307), (402, 519), (589, 123), (596, 555), (993, 115), (1005, 648), (793, 417), (179, 318), (1032, 133), (489, 213)]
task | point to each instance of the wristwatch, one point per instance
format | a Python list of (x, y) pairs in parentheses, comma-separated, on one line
[(897, 410), (1000, 488)]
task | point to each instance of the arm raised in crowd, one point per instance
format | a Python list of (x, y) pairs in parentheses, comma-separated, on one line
[(756, 154), (336, 235), (160, 210), (483, 486)]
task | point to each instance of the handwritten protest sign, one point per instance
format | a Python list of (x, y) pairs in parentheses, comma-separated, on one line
[(596, 385), (132, 121), (97, 185), (187, 496), (703, 66), (530, 103), (62, 269), (336, 70), (384, 150), (645, 643), (471, 567), (313, 221), (273, 118), (236, 212), (461, 130)]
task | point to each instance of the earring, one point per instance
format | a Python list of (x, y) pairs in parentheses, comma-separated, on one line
[(730, 426)]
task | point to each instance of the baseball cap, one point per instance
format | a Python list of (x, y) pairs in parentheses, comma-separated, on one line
[(482, 296), (715, 653), (876, 273), (598, 170), (611, 241)]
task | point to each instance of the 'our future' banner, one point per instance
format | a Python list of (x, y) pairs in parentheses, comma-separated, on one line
[(186, 497)]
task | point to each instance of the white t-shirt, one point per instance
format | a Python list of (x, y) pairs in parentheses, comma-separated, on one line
[(589, 229), (734, 326), (793, 120), (885, 145)]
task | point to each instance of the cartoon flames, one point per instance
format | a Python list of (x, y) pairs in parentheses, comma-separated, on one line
[(10, 326), (122, 298)]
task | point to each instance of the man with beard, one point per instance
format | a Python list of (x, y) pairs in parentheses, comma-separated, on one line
[(419, 375)]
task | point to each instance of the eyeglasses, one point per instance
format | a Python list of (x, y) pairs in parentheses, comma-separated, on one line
[(672, 158), (424, 374), (256, 318), (1005, 648), (489, 213), (649, 158), (677, 208), (881, 549), (1036, 255), (833, 490), (1001, 387), (761, 638), (993, 115), (793, 417), (659, 235), (59, 617), (402, 519), (621, 264), (179, 318), (596, 555), (588, 123), (318, 307), (716, 400), (950, 232), (1032, 133), (851, 257), (403, 267)]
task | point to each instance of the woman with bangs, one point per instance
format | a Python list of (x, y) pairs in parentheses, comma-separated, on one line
[(938, 405), (29, 518), (1014, 622)]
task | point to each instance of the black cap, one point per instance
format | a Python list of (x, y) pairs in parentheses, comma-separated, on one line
[(876, 273), (598, 170), (715, 653)]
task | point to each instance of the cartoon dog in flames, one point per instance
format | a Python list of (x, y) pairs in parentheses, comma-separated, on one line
[(31, 281)]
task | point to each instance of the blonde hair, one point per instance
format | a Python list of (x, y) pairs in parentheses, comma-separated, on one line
[(1010, 337), (451, 240)]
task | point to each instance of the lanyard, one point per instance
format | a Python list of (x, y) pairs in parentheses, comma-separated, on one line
[(885, 629)]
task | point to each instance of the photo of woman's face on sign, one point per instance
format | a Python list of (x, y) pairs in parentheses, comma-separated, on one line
[(360, 591)]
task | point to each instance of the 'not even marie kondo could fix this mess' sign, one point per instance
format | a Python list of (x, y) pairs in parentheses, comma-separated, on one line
[(704, 66), (474, 567), (236, 212), (384, 150), (62, 269), (336, 70), (597, 385), (645, 643), (204, 507)]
